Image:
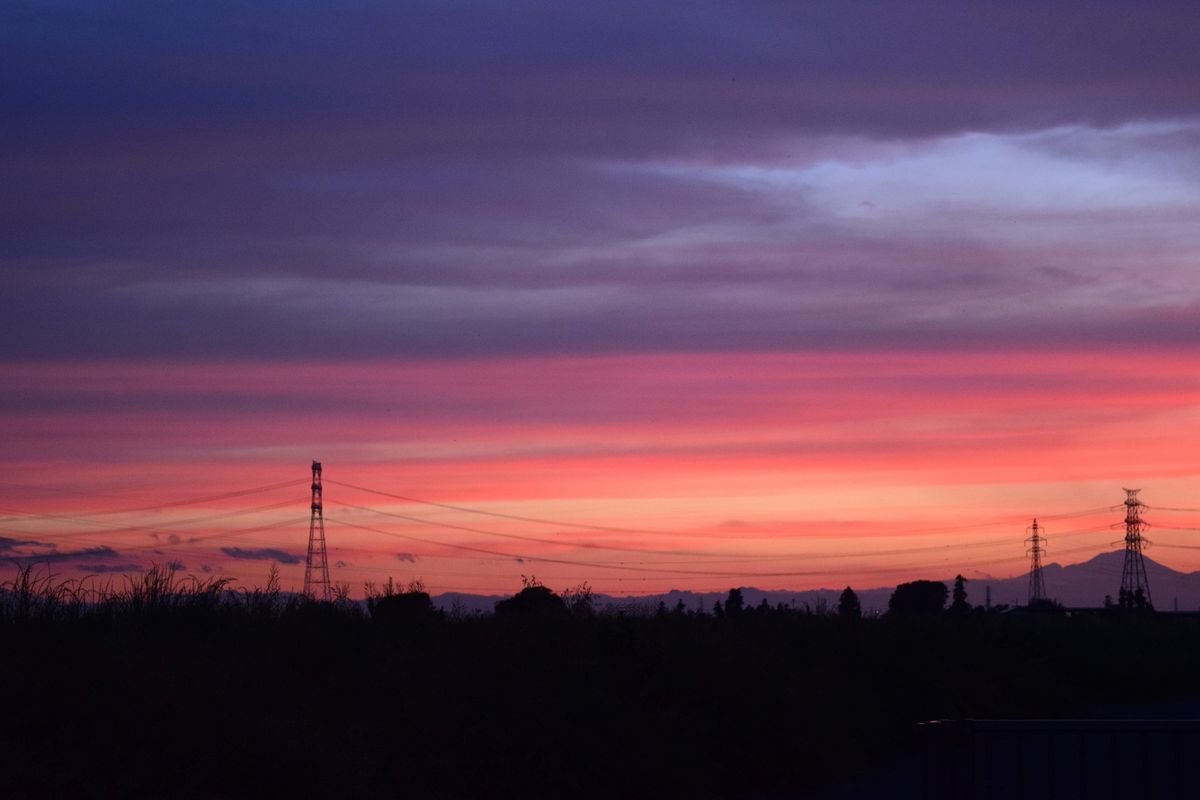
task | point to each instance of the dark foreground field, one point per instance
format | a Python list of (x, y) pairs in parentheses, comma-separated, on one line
[(215, 695)]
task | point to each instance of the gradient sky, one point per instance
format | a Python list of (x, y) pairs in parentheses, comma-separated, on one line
[(787, 296)]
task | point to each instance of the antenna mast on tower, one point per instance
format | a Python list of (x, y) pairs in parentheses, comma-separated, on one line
[(1035, 548), (316, 566), (1135, 586)]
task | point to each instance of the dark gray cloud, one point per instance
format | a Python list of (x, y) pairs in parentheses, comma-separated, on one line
[(466, 178), (57, 556), (483, 77), (406, 557), (101, 569), (7, 543), (263, 554)]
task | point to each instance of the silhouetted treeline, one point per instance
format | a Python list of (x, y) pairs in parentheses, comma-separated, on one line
[(181, 688)]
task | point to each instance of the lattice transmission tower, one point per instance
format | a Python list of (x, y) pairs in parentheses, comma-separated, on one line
[(316, 566), (1135, 586), (1035, 548)]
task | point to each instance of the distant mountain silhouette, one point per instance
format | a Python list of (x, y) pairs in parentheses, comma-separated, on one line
[(1087, 583), (1080, 585)]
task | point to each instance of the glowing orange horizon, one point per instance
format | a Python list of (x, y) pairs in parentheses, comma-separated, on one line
[(772, 470)]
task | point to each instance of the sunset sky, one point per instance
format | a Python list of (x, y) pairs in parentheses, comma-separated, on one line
[(785, 295)]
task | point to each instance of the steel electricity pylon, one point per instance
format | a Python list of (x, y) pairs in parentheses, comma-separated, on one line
[(1135, 586), (1035, 548), (316, 566)]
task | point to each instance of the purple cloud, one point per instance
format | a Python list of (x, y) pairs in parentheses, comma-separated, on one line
[(453, 182), (7, 543), (263, 554), (70, 555), (101, 569)]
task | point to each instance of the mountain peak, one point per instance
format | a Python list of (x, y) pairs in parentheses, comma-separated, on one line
[(1117, 558), (1108, 557)]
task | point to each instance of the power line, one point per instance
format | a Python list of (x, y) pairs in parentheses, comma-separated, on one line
[(641, 566), (212, 536), (160, 506), (158, 528), (537, 539), (708, 557), (514, 517), (1089, 512), (617, 529), (184, 543), (545, 559)]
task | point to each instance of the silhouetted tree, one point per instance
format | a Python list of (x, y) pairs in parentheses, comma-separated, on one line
[(848, 606), (734, 603), (1134, 601), (1140, 603), (579, 600), (960, 605), (1043, 606), (406, 606), (396, 605), (533, 603), (918, 598)]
